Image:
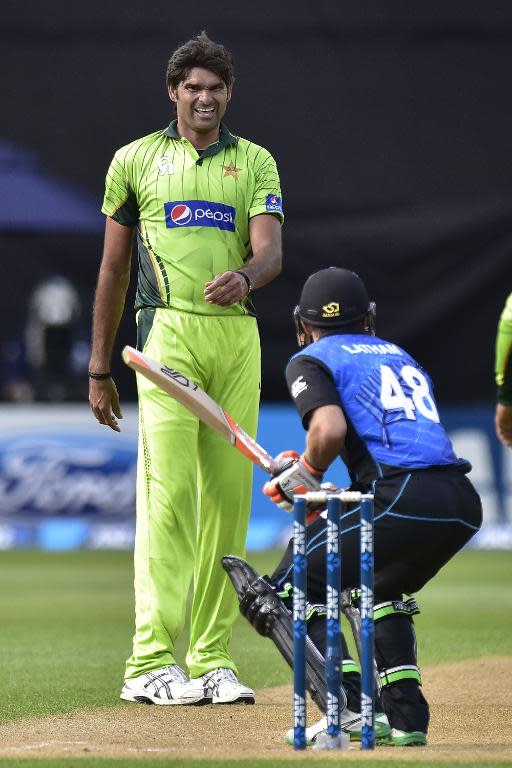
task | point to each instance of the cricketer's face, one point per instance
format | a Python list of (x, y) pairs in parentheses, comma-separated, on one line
[(201, 100)]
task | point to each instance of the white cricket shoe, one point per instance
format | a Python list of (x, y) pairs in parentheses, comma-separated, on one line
[(168, 685), (221, 686), (350, 722)]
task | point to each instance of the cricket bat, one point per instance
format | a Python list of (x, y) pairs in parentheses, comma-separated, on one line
[(198, 402)]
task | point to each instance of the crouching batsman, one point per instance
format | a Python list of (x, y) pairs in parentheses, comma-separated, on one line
[(370, 402)]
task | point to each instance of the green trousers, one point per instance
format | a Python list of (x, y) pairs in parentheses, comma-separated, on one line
[(193, 490)]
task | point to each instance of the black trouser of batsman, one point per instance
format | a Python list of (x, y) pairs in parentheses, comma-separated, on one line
[(422, 519)]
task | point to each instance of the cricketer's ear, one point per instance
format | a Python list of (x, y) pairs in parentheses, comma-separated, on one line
[(172, 93)]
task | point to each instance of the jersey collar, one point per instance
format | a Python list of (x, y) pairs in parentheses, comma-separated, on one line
[(225, 138)]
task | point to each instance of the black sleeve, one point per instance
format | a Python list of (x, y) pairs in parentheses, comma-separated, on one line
[(311, 385), (128, 213)]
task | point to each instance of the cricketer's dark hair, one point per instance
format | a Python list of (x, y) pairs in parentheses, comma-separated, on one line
[(200, 51), (361, 326)]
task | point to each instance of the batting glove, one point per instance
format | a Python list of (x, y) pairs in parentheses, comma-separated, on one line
[(284, 460), (297, 476)]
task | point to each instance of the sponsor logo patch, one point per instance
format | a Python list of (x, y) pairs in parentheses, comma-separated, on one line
[(199, 213), (180, 215), (331, 310), (274, 203), (298, 386)]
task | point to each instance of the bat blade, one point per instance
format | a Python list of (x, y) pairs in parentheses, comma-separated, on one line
[(189, 394)]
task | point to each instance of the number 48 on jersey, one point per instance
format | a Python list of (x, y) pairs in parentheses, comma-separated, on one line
[(393, 396)]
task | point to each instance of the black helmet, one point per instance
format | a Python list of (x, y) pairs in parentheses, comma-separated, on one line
[(333, 298)]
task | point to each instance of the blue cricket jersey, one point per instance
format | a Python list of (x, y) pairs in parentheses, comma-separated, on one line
[(386, 396)]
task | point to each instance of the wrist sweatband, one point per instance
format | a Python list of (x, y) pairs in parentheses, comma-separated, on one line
[(99, 376), (246, 278)]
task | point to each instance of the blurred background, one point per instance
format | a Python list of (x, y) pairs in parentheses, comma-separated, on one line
[(390, 123)]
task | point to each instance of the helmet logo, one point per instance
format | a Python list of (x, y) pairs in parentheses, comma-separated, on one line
[(331, 310)]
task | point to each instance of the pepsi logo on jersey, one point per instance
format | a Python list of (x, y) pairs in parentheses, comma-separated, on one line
[(199, 213), (274, 203), (181, 214)]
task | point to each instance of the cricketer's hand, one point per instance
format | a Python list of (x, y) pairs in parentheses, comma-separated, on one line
[(104, 402), (296, 476)]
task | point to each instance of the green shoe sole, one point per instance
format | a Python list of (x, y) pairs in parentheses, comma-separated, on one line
[(403, 739), (382, 732)]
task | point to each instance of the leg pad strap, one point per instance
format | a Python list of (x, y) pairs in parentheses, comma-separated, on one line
[(395, 674), (403, 607)]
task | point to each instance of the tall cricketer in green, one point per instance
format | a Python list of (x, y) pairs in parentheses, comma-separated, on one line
[(503, 375), (205, 207)]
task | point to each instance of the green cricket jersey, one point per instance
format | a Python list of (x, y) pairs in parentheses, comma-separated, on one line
[(503, 360), (192, 212)]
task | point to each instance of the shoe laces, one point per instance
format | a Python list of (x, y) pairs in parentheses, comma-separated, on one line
[(174, 674), (222, 675)]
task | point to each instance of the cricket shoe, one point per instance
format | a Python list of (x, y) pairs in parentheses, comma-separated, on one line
[(397, 738), (168, 685), (221, 686), (350, 723), (381, 728)]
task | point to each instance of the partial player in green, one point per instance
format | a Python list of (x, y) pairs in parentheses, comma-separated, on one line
[(205, 208), (503, 374)]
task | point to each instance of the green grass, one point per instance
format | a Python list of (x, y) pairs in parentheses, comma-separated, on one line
[(466, 610), (67, 623)]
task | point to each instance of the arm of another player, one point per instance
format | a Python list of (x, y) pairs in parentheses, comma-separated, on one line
[(503, 421), (326, 436), (265, 265), (503, 373), (113, 281), (325, 440), (315, 396)]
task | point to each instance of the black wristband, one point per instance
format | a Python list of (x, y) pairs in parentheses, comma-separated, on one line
[(246, 278), (99, 376)]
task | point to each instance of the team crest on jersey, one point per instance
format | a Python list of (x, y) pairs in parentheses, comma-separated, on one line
[(231, 170), (165, 166), (331, 310), (274, 203)]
